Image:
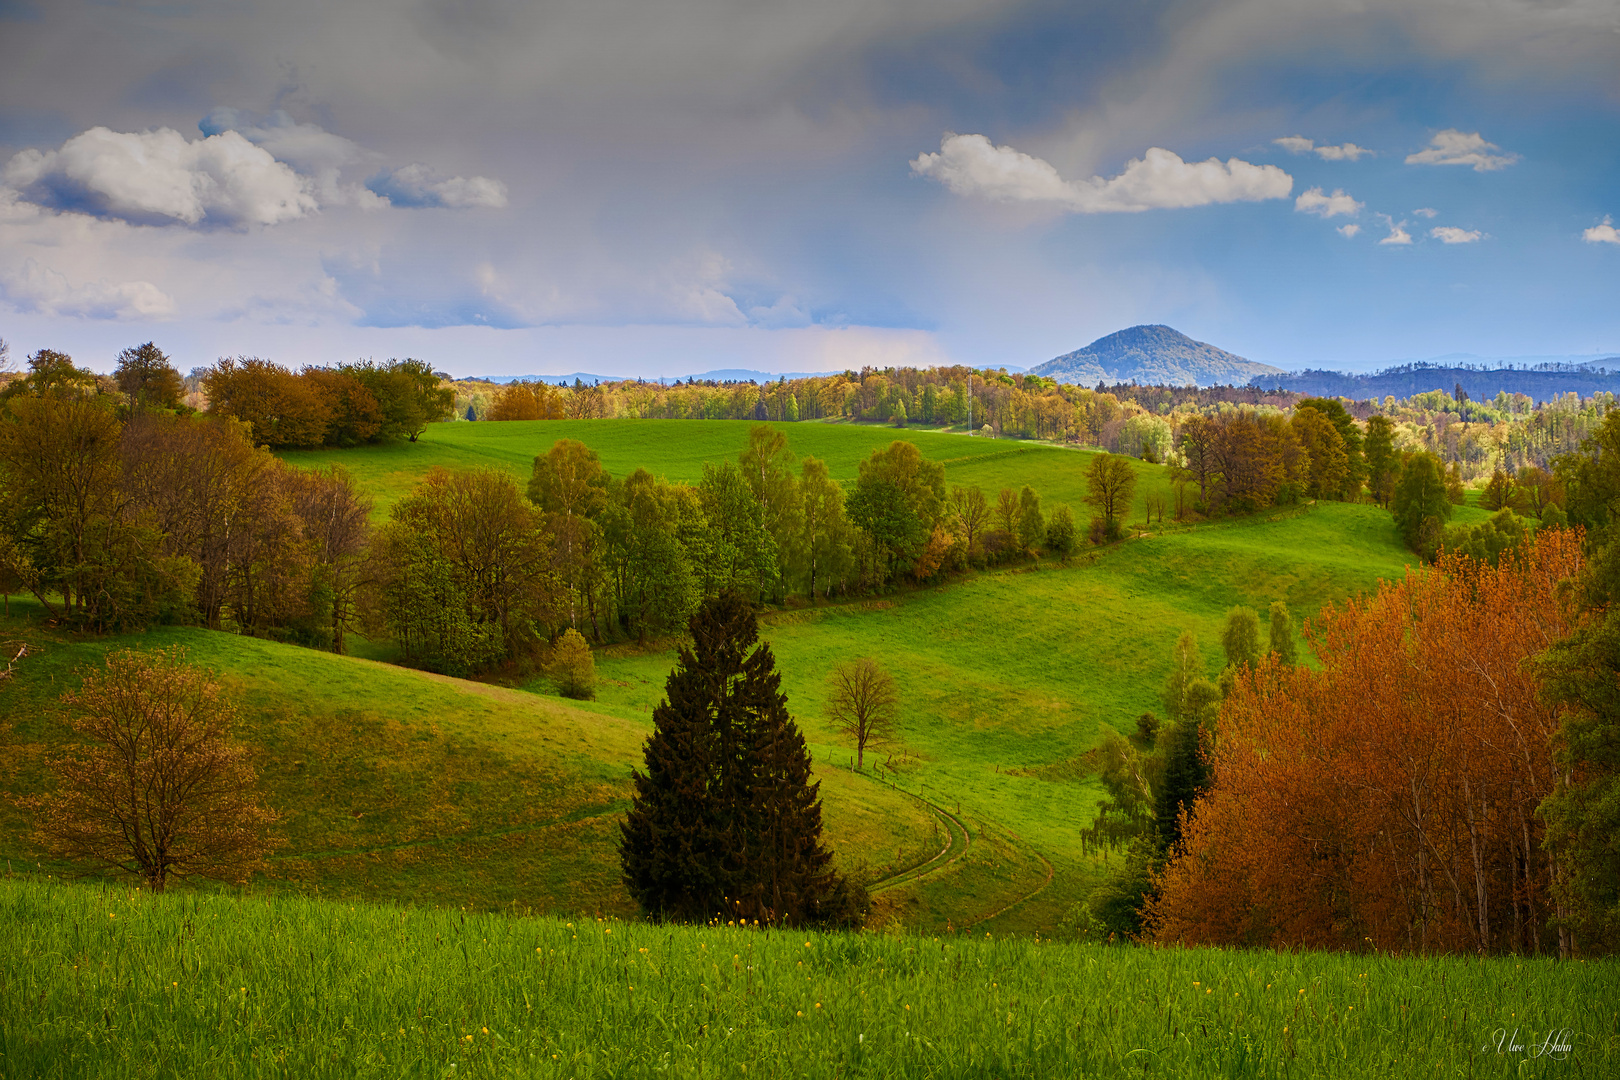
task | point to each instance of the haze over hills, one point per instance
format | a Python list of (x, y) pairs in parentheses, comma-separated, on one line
[(1152, 356)]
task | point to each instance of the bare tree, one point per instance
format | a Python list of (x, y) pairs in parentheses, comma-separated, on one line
[(157, 791), (862, 703)]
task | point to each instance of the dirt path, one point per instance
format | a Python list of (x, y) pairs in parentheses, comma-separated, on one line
[(958, 840)]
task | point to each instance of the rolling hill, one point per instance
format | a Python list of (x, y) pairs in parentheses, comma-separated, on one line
[(1152, 356)]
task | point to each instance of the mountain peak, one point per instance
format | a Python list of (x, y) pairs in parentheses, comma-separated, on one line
[(1152, 355)]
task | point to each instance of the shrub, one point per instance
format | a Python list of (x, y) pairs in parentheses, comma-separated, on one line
[(572, 667)]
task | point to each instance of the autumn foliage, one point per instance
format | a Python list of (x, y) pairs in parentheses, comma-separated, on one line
[(156, 790), (1389, 799)]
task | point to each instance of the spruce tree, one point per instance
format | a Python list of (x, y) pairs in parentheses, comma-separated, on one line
[(726, 818)]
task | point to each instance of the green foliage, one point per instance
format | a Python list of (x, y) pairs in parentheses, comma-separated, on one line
[(1281, 642), (1240, 638), (725, 821), (1031, 524), (1486, 541), (898, 497), (1061, 539), (1355, 461), (1110, 484), (572, 667), (1186, 772), (1420, 503), (1379, 451), (1118, 904)]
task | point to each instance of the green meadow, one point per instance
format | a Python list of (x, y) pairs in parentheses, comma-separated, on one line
[(401, 786), (111, 982)]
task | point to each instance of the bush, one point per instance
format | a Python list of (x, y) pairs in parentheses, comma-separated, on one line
[(572, 667), (1147, 728)]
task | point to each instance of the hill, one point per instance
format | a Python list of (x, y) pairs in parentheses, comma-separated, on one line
[(1152, 356), (1007, 676), (1542, 382)]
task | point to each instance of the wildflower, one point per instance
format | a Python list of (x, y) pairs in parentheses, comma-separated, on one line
[(799, 1013), (818, 1004), (1196, 982), (1302, 989), (807, 944), (1209, 989), (486, 1031)]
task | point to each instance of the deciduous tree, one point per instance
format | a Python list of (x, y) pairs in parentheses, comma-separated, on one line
[(862, 704), (157, 790)]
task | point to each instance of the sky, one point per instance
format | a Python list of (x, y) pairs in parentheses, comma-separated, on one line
[(657, 188)]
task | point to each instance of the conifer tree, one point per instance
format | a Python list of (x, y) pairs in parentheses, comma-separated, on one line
[(726, 818)]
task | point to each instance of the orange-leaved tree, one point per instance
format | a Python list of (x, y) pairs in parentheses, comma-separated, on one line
[(157, 790), (1388, 799)]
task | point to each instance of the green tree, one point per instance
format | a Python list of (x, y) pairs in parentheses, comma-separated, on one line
[(1419, 503), (1382, 465), (1186, 668), (147, 379), (650, 567), (1061, 539), (742, 553), (1240, 638), (1325, 449), (1282, 642), (767, 464), (1031, 524), (1355, 463), (572, 667), (1110, 484), (570, 487), (898, 498), (1186, 770), (725, 820), (824, 547)]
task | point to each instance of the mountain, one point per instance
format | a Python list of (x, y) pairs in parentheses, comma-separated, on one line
[(1152, 356)]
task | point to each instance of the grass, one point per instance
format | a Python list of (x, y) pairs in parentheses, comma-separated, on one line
[(405, 786), (110, 982), (677, 449)]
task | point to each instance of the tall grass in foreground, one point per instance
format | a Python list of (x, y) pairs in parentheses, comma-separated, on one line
[(109, 982)]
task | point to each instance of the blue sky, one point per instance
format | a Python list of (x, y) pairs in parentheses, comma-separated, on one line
[(631, 188)]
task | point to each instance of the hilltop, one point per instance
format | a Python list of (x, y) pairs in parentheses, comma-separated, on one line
[(1152, 356)]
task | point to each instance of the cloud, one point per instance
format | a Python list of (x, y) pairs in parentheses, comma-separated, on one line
[(1314, 202), (160, 177), (1298, 144), (1453, 147), (1604, 233), (971, 165), (1347, 231), (1397, 231), (1450, 234), (415, 186), (1426, 212), (36, 288), (308, 148)]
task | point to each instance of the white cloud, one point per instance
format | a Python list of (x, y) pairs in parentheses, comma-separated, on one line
[(1299, 144), (1450, 234), (310, 149), (160, 177), (1347, 231), (1453, 147), (1397, 231), (1348, 152), (971, 165), (1604, 233), (1426, 212), (37, 288), (1314, 202), (416, 186)]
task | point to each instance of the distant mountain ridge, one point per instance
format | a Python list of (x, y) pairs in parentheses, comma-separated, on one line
[(1541, 382), (1153, 355)]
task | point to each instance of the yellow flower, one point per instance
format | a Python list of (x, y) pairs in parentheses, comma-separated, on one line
[(818, 1004), (486, 1031), (1209, 989)]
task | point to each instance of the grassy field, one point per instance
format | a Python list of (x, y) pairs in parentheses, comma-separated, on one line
[(109, 982), (410, 787), (402, 786), (677, 449)]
